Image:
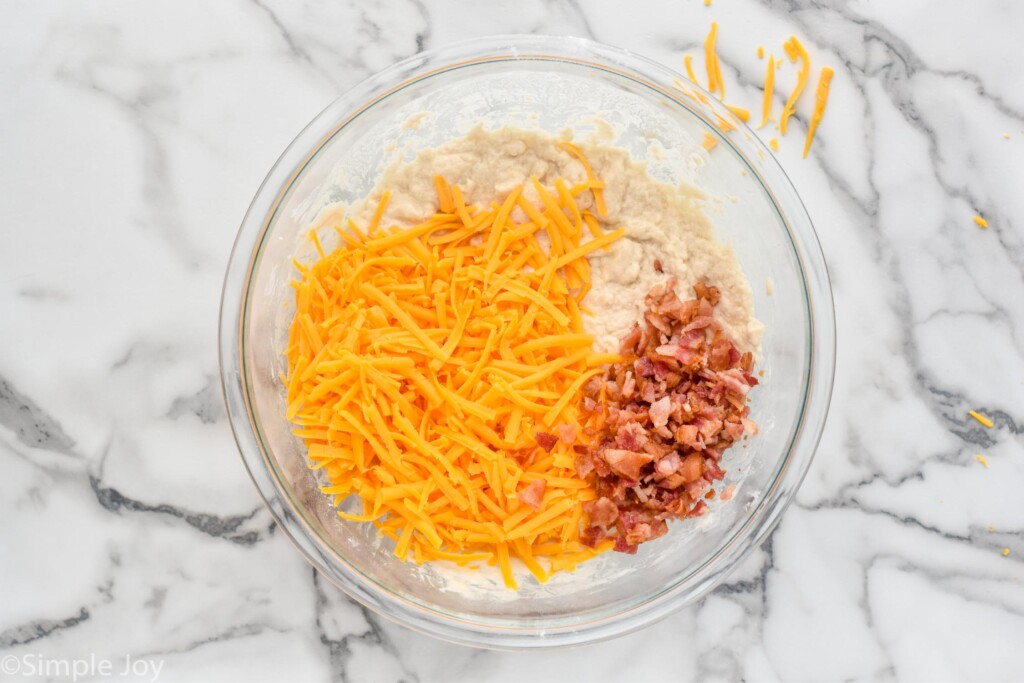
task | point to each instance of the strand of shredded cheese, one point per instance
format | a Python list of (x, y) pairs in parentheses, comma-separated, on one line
[(688, 61), (795, 50), (981, 418), (820, 99), (711, 63), (769, 92), (423, 360)]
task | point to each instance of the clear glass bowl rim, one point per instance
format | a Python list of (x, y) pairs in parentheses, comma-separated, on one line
[(259, 217)]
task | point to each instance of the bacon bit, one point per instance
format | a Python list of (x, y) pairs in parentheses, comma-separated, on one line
[(533, 494), (659, 410), (706, 292), (567, 433), (545, 440), (982, 459), (692, 468), (658, 268), (671, 411), (729, 492), (601, 512), (981, 418), (626, 463)]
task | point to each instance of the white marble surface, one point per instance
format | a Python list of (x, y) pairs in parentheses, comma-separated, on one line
[(132, 137)]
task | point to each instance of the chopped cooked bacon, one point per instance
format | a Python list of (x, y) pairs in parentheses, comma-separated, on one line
[(666, 416), (689, 436), (713, 470), (545, 440), (659, 411), (567, 433), (658, 268), (705, 291), (628, 385), (584, 465), (601, 512), (721, 356), (625, 463), (533, 494), (692, 467), (749, 426), (669, 464), (631, 436)]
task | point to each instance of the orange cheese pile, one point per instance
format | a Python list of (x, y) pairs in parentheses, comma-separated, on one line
[(796, 53), (423, 360)]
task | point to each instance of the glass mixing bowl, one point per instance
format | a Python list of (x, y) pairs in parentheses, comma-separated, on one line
[(550, 84)]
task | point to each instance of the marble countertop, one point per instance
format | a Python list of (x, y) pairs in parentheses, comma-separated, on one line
[(133, 137)]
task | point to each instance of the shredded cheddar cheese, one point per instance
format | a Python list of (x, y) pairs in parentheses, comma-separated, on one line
[(741, 113), (820, 99), (711, 63), (422, 362), (981, 418), (795, 51), (1006, 552), (774, 144), (769, 92), (982, 459), (709, 141), (980, 222), (688, 61)]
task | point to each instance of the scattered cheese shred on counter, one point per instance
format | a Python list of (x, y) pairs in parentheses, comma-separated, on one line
[(980, 222), (429, 366), (774, 144), (711, 63), (1006, 552), (982, 459), (769, 92), (795, 51), (981, 418), (820, 100), (688, 61)]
